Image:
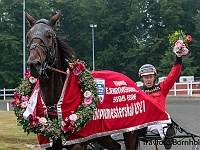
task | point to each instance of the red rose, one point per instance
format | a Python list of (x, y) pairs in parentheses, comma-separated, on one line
[(189, 39)]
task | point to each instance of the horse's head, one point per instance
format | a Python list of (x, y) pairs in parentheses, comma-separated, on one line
[(41, 44)]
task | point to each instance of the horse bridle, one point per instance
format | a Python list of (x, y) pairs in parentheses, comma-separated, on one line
[(39, 31)]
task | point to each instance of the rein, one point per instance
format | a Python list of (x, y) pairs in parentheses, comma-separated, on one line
[(57, 70)]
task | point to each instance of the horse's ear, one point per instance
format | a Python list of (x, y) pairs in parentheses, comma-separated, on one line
[(30, 19), (54, 19)]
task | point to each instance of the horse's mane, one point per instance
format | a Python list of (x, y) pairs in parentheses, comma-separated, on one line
[(66, 52)]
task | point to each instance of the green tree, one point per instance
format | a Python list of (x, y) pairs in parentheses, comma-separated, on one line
[(195, 46), (11, 40), (163, 18), (129, 33), (10, 43), (168, 60)]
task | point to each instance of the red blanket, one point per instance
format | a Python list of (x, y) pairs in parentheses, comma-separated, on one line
[(122, 107)]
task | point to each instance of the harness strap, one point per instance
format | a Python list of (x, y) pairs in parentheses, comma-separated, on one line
[(33, 47), (52, 111)]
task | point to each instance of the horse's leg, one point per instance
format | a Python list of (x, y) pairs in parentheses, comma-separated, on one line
[(53, 148), (131, 140), (156, 145), (78, 146), (108, 143), (58, 146)]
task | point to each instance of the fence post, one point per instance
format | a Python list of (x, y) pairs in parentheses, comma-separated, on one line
[(191, 89), (175, 89), (4, 93), (8, 107)]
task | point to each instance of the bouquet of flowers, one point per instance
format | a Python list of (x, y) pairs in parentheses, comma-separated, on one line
[(180, 42)]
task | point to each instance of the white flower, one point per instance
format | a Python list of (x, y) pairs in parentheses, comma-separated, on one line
[(24, 104), (73, 117), (87, 94), (43, 121), (32, 80)]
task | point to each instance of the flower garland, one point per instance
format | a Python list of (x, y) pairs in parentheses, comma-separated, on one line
[(57, 127), (179, 41)]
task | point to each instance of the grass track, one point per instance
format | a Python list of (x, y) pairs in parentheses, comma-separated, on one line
[(12, 136)]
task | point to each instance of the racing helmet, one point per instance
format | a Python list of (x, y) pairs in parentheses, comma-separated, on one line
[(146, 70)]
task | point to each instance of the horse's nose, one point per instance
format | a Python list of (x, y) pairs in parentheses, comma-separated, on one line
[(35, 68), (34, 63)]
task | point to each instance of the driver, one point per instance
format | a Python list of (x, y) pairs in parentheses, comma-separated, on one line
[(158, 92)]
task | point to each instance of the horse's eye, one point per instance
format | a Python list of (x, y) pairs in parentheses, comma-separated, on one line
[(49, 34)]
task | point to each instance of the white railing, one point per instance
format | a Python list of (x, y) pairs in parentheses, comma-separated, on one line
[(6, 92), (182, 89), (189, 89)]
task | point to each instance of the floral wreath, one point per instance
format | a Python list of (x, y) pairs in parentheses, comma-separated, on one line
[(179, 41), (57, 127)]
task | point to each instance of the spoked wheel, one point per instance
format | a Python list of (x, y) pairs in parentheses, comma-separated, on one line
[(196, 146)]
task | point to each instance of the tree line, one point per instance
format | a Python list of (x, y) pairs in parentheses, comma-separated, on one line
[(129, 33)]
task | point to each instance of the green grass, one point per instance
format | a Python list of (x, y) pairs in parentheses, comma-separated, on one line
[(12, 136)]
